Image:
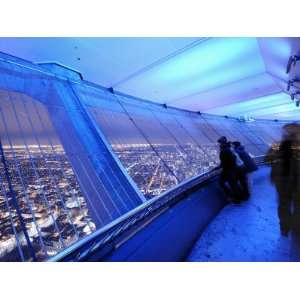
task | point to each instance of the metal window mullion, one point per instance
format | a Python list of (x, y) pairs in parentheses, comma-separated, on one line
[(22, 184), (112, 188), (147, 140), (199, 126), (116, 177), (171, 134), (214, 143), (245, 135), (77, 156), (61, 165), (130, 122), (195, 143), (181, 124), (211, 127), (259, 137), (116, 191), (96, 191), (241, 134), (85, 191), (15, 202), (37, 176), (174, 137), (116, 139), (57, 191), (115, 158), (134, 205), (190, 135), (4, 194), (262, 144), (261, 128), (207, 137), (92, 126)]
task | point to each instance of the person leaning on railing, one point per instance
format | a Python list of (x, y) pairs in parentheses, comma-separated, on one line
[(248, 166), (229, 174)]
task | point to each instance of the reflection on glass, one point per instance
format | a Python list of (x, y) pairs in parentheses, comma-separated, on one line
[(162, 147), (49, 199)]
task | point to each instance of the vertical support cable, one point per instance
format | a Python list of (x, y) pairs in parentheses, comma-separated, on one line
[(49, 171), (95, 132), (58, 158), (146, 138), (34, 167), (195, 141), (18, 169), (15, 202), (4, 194)]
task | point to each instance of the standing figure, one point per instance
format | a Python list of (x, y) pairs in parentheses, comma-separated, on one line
[(229, 175), (248, 166)]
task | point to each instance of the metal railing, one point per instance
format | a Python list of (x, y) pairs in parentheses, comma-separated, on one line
[(108, 238)]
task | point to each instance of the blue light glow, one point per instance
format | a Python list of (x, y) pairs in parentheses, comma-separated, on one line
[(214, 63), (260, 106), (216, 99)]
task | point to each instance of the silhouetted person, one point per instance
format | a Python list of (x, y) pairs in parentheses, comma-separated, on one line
[(249, 163), (248, 166), (229, 175), (285, 175)]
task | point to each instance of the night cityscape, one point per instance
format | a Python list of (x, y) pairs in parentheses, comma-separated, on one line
[(157, 171), (49, 198)]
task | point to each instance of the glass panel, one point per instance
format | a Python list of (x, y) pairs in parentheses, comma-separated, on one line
[(192, 163), (162, 147), (160, 139), (48, 197), (207, 151), (259, 129), (138, 156)]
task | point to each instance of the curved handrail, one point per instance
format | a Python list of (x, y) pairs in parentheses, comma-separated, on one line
[(104, 236)]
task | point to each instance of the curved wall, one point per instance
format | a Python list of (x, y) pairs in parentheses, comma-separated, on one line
[(118, 152), (161, 147)]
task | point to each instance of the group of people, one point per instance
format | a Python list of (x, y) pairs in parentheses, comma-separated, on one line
[(236, 163), (284, 159)]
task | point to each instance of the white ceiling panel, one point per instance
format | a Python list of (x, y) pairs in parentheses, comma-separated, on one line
[(231, 94), (224, 76)]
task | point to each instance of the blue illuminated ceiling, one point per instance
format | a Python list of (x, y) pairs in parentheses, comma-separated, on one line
[(226, 76)]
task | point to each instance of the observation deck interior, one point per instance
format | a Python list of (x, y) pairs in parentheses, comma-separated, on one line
[(125, 168), (246, 233), (249, 232)]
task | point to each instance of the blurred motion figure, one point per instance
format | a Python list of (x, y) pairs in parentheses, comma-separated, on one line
[(285, 175)]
